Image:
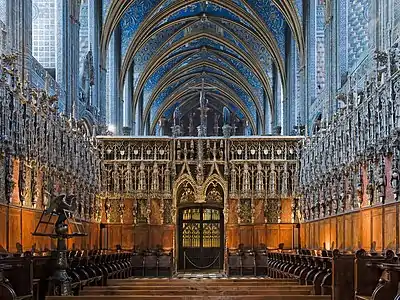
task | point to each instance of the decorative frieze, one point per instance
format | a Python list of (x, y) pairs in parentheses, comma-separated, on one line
[(249, 169)]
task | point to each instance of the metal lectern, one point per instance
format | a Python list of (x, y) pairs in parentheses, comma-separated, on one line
[(58, 221)]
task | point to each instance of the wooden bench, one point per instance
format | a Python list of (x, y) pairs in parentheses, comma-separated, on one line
[(388, 284), (16, 278), (315, 271), (367, 272)]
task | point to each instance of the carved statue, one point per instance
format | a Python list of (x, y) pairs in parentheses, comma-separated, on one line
[(350, 195), (107, 210), (272, 181), (334, 201), (216, 123), (177, 116), (260, 180), (155, 183), (214, 195), (381, 183), (142, 178), (167, 180), (395, 183), (227, 116), (187, 194), (246, 185), (370, 193), (233, 180), (191, 125), (395, 58), (121, 210)]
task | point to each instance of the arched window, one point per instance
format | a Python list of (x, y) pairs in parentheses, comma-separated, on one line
[(44, 29), (3, 11)]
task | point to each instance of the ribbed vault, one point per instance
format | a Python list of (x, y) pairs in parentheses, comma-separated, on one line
[(238, 47)]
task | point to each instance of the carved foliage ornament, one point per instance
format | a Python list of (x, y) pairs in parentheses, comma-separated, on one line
[(214, 193)]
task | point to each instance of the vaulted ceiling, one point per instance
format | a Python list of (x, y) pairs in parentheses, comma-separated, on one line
[(232, 45)]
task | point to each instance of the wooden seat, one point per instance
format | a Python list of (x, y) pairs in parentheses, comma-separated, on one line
[(16, 278), (359, 297)]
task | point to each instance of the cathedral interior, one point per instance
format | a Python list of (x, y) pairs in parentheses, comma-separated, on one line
[(203, 137)]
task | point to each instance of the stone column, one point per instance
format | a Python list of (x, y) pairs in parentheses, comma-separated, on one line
[(68, 52), (103, 94), (331, 58), (94, 37), (267, 114), (128, 98), (114, 102), (309, 70), (277, 89), (19, 23)]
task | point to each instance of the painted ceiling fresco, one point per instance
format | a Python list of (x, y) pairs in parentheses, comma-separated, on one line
[(172, 44)]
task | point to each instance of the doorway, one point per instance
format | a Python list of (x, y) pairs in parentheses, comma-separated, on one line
[(201, 239)]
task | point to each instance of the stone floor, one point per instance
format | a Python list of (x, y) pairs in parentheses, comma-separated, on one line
[(201, 275)]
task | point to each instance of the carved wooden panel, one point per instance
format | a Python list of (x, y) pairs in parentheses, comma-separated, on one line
[(304, 234), (272, 235), (333, 234), (127, 237), (327, 233), (94, 235), (155, 217), (356, 234), (348, 232), (377, 233), (317, 235), (14, 193), (365, 236), (286, 235), (340, 232), (232, 235), (128, 215), (114, 235), (168, 236), (14, 228), (246, 235), (141, 236), (260, 235), (390, 223), (259, 212), (28, 226), (286, 216), (3, 226), (156, 235)]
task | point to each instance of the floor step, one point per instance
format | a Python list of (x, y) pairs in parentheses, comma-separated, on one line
[(157, 281), (195, 287), (177, 297), (203, 292), (201, 283)]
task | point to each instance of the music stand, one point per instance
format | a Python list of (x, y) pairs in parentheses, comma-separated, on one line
[(58, 222)]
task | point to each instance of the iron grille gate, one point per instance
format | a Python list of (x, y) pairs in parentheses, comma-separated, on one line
[(201, 238)]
